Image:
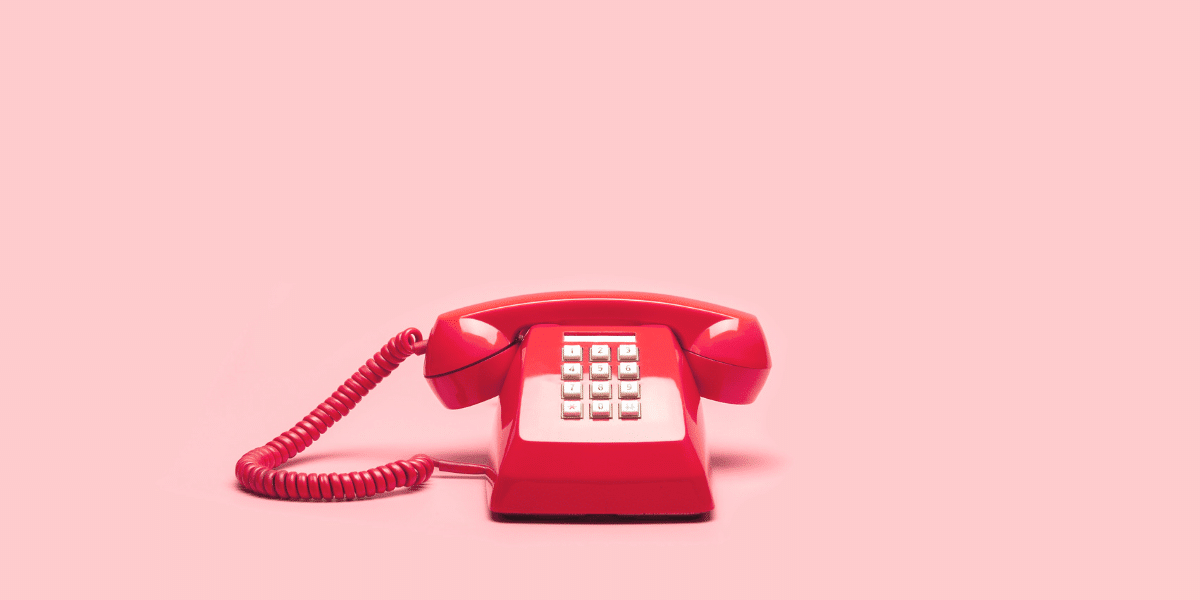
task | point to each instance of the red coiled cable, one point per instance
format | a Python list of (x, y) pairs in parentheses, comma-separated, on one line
[(256, 469)]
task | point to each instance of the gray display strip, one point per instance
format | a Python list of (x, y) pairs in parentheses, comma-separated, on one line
[(571, 337)]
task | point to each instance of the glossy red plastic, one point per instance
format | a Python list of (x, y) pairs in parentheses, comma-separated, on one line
[(653, 465), (654, 462), (469, 349)]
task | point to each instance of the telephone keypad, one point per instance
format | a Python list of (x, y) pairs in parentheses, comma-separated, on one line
[(629, 390), (601, 409), (631, 409), (572, 372), (572, 409), (600, 390), (628, 371), (600, 371)]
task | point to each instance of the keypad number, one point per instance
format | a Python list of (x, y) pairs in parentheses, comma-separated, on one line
[(572, 372), (599, 354), (600, 371), (628, 371), (601, 409), (627, 352), (572, 353), (630, 390)]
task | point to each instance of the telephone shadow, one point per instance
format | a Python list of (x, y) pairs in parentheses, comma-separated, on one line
[(720, 461)]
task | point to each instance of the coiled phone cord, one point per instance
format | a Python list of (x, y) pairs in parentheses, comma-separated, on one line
[(256, 470)]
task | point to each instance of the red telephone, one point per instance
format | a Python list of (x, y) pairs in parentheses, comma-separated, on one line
[(599, 403)]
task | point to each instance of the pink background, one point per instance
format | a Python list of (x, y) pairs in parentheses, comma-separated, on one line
[(971, 235)]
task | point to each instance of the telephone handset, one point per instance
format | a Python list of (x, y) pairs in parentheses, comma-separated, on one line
[(599, 403)]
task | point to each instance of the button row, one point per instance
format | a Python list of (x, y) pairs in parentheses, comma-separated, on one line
[(602, 409), (627, 390), (627, 352), (600, 371)]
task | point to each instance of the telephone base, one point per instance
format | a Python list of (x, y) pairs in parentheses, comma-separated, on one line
[(603, 519), (652, 478)]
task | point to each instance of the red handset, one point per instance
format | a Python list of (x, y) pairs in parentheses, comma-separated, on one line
[(599, 402)]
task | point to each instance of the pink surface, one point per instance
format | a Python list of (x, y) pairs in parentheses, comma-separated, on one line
[(970, 234)]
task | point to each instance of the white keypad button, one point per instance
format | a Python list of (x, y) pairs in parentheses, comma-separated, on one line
[(601, 371), (572, 409), (631, 409), (599, 354), (629, 371), (572, 390), (572, 353), (601, 389), (629, 352), (630, 389), (572, 372), (601, 409)]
